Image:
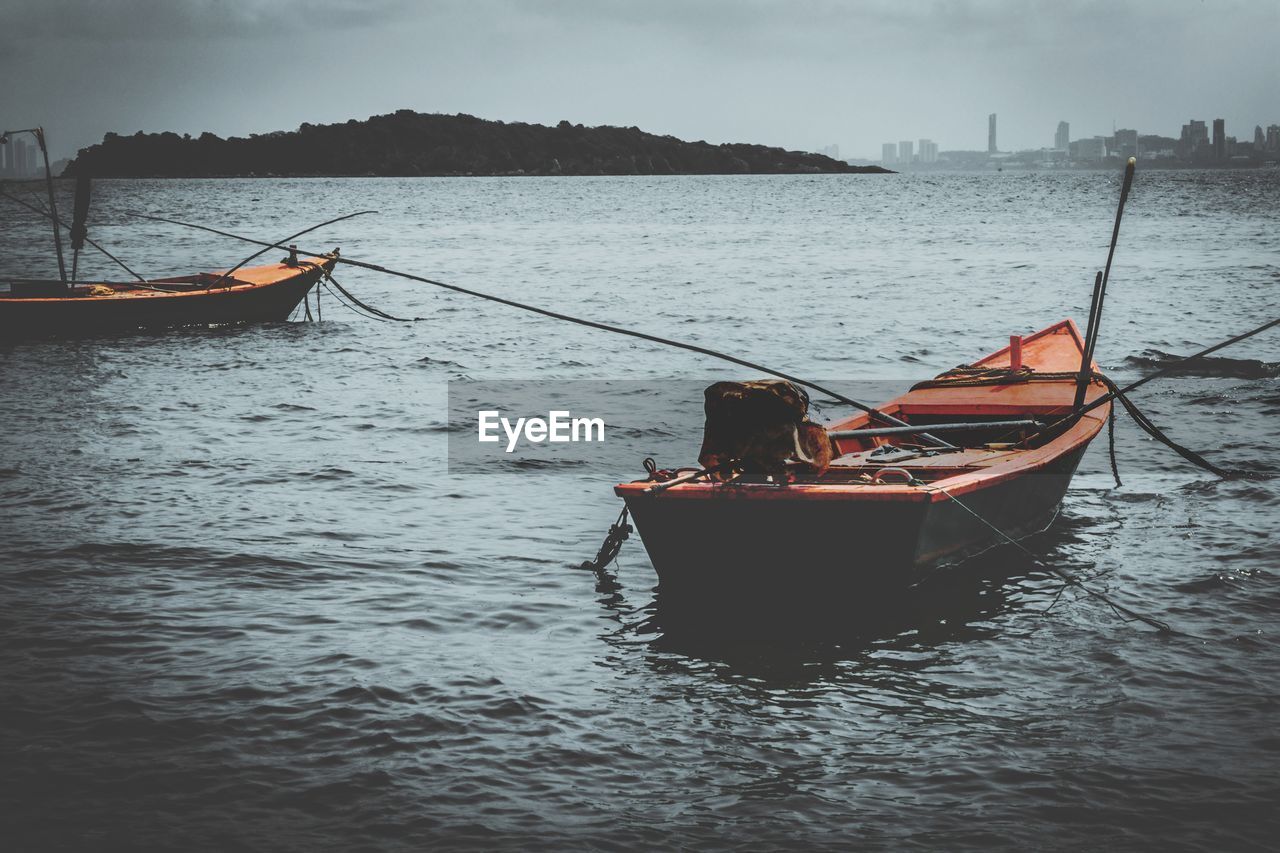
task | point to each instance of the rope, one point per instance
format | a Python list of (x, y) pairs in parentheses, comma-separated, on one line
[(1111, 449), (347, 305), (593, 324), (1065, 577), (226, 275), (612, 544), (1158, 434), (48, 215), (376, 313), (1169, 368), (967, 375)]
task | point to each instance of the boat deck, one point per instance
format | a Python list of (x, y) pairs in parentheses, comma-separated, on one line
[(29, 290), (899, 468)]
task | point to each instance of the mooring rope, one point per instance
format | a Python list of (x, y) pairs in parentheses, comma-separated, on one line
[(353, 309), (970, 376), (47, 215), (376, 313), (621, 529), (226, 275), (581, 321), (1065, 577)]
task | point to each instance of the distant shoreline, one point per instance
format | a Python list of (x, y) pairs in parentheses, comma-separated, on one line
[(406, 144), (530, 175)]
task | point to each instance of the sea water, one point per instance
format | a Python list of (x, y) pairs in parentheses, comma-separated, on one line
[(247, 603)]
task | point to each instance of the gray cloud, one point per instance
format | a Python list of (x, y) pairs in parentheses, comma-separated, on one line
[(144, 20), (802, 73)]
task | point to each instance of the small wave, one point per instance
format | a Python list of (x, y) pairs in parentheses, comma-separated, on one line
[(428, 361)]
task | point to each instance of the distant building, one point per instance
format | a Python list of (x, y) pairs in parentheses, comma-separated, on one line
[(17, 158), (31, 161), (1273, 138), (1194, 141), (889, 153), (1126, 143), (1062, 138), (832, 151), (1219, 139), (1259, 141), (991, 134), (904, 152), (1089, 150), (928, 151)]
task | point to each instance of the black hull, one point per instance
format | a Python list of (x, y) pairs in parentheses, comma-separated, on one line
[(83, 316), (839, 553)]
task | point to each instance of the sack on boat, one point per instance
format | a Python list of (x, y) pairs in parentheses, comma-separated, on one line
[(763, 424)]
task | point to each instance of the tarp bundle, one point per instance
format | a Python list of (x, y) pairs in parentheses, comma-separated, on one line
[(762, 424)]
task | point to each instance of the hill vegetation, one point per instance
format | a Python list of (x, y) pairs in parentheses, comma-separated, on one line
[(407, 143)]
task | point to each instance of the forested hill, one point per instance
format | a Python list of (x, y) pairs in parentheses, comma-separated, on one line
[(409, 143)]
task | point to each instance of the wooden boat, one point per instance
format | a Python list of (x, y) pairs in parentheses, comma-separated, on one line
[(888, 509), (249, 294)]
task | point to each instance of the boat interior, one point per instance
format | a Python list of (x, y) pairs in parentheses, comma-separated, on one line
[(906, 459), (880, 459), (29, 288)]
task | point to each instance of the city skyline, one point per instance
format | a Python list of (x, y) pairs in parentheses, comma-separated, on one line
[(712, 70), (1193, 142)]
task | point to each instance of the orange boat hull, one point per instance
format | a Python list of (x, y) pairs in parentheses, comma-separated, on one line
[(254, 294)]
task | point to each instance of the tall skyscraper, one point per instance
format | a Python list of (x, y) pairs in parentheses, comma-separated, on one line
[(1259, 141), (904, 152), (928, 151), (889, 154), (1219, 139), (991, 134), (1062, 138)]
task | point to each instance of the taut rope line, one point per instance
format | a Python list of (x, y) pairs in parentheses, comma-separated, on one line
[(593, 324)]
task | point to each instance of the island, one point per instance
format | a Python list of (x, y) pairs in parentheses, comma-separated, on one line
[(411, 144)]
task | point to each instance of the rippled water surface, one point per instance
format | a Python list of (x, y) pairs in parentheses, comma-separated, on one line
[(245, 604)]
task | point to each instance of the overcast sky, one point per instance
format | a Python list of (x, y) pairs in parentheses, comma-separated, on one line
[(800, 73)]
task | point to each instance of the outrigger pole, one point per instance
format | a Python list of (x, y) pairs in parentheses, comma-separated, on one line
[(1100, 293), (38, 133)]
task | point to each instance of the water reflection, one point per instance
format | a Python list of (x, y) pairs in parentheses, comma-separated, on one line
[(786, 642)]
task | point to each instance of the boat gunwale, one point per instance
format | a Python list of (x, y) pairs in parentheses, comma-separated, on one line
[(1023, 463), (305, 266)]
